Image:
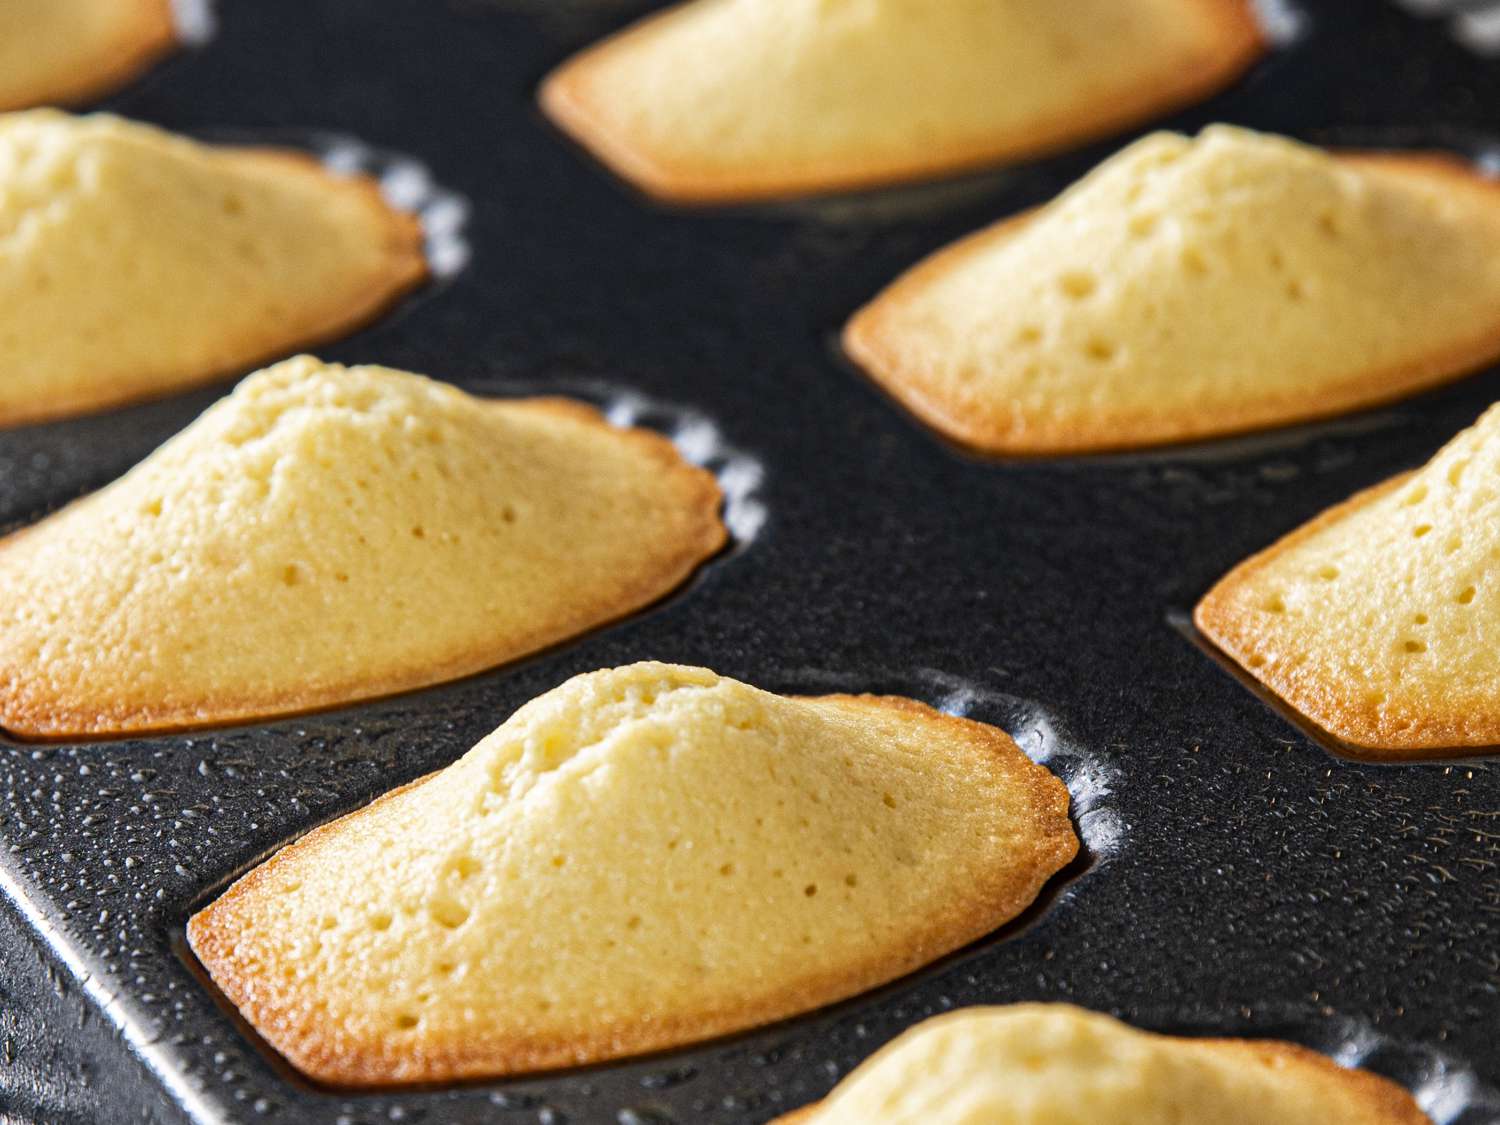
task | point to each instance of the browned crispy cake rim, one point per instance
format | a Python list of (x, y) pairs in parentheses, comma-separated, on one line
[(703, 536), (149, 35), (567, 99), (1238, 631), (1386, 1102), (294, 1030), (402, 267), (996, 429)]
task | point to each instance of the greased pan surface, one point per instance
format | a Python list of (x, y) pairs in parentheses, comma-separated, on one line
[(1242, 881)]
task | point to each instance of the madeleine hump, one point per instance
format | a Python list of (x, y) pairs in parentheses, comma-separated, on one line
[(718, 101), (1189, 288), (1054, 1064), (641, 858), (328, 534)]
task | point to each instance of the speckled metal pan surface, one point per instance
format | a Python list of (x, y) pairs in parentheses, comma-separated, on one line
[(1241, 880)]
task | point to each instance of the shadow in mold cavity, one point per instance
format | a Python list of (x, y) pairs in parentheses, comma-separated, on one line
[(900, 202), (1246, 446), (616, 10), (1479, 147), (1447, 1090), (1282, 21), (1182, 621)]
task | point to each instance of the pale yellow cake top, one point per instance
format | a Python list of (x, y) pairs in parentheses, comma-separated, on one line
[(642, 857), (326, 534), (61, 51), (1195, 286), (134, 262), (727, 99), (1054, 1064), (1377, 620)]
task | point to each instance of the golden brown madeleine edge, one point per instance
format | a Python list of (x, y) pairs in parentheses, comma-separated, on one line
[(403, 267), (150, 35), (1387, 1102), (295, 1031), (702, 536), (1234, 629), (992, 430), (567, 99)]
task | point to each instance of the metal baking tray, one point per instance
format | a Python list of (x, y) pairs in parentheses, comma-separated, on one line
[(1239, 879)]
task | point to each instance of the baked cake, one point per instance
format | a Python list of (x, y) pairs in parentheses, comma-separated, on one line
[(59, 52), (134, 263), (1374, 621), (326, 534), (1193, 287), (1054, 1064), (643, 857), (723, 100)]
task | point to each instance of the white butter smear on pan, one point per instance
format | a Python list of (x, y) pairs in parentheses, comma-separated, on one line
[(1476, 25), (410, 186), (195, 21)]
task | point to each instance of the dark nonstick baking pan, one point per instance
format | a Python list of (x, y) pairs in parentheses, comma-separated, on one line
[(1240, 879)]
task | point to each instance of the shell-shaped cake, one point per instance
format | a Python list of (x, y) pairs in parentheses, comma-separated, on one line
[(134, 262), (723, 100), (326, 534), (59, 52), (640, 858), (1054, 1064), (1376, 620), (1193, 287)]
